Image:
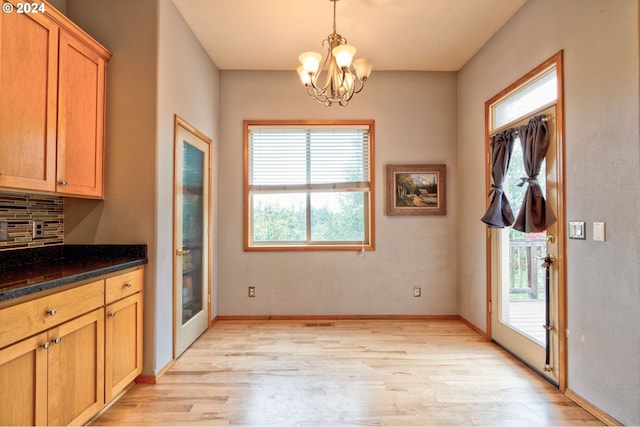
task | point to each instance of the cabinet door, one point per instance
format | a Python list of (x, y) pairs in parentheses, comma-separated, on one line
[(23, 383), (123, 350), (80, 119), (28, 85), (76, 370)]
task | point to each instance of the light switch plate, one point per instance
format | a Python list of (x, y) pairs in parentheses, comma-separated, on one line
[(599, 231), (577, 230)]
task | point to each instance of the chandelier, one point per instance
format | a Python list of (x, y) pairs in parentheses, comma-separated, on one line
[(340, 75)]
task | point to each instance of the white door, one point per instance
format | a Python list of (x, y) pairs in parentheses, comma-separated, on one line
[(191, 235), (524, 285)]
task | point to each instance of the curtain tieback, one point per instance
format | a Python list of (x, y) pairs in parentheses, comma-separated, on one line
[(497, 189), (530, 180), (534, 185)]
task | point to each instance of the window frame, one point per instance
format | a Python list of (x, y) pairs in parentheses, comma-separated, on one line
[(369, 214)]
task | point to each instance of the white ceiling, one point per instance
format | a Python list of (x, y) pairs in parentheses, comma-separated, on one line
[(429, 35)]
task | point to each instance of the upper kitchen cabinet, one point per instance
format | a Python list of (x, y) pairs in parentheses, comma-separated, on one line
[(52, 96), (28, 101), (81, 77)]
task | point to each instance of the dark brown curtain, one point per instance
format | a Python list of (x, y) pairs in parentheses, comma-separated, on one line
[(499, 213), (535, 215)]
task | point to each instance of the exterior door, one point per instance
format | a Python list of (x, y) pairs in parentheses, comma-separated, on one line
[(191, 235), (524, 282)]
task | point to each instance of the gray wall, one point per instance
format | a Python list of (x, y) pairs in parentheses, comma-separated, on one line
[(158, 69), (415, 114), (187, 86), (602, 178), (128, 212)]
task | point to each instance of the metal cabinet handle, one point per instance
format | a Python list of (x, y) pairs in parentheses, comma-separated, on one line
[(46, 345), (52, 312), (128, 285), (57, 340), (112, 314), (63, 183)]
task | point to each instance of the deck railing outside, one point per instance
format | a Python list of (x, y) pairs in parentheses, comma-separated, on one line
[(526, 279)]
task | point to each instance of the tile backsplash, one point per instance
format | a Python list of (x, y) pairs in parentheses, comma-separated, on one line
[(17, 213)]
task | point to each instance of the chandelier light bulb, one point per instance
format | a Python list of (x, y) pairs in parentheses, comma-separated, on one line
[(363, 68), (305, 77), (310, 61), (348, 81), (344, 55)]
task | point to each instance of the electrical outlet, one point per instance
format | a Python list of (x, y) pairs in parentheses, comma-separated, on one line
[(4, 231), (38, 229), (417, 291), (252, 291)]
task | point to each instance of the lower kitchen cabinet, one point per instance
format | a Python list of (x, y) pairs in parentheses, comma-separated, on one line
[(123, 344), (76, 357), (23, 382), (54, 378), (75, 386)]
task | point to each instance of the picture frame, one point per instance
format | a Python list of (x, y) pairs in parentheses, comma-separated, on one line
[(416, 190)]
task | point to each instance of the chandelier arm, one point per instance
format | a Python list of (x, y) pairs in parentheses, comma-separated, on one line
[(316, 94), (362, 82)]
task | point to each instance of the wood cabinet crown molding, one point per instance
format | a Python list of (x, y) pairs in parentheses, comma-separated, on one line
[(63, 21)]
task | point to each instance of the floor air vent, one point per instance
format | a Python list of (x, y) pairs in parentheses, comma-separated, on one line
[(318, 325)]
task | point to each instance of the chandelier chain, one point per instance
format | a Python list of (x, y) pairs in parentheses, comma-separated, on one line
[(334, 15)]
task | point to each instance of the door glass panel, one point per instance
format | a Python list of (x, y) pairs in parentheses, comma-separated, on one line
[(522, 277), (192, 231)]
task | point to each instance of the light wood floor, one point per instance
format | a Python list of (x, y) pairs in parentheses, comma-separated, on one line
[(347, 373)]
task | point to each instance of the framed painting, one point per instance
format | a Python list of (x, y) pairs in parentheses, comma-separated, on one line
[(416, 190)]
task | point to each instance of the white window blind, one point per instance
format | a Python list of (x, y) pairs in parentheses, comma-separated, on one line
[(308, 158)]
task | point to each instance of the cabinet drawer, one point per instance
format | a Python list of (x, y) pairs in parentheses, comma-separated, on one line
[(118, 287), (31, 317)]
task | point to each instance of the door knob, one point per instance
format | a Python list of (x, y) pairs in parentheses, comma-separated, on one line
[(547, 258), (182, 251)]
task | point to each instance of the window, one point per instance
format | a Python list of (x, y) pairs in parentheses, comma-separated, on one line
[(534, 94), (309, 185)]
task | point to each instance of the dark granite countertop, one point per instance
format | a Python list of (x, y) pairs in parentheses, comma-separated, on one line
[(28, 271)]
